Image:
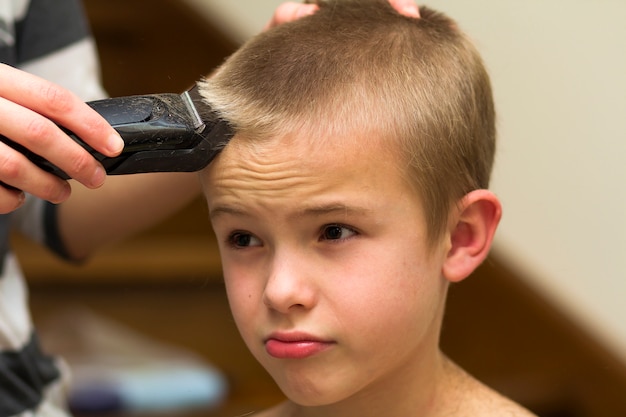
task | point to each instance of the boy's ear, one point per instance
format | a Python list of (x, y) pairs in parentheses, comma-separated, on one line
[(471, 234)]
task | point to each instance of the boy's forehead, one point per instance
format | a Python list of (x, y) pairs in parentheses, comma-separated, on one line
[(285, 160), (290, 175), (312, 149)]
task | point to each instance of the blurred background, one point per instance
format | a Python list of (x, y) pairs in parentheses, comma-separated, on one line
[(543, 321)]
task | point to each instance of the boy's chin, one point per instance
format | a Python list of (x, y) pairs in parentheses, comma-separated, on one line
[(310, 391)]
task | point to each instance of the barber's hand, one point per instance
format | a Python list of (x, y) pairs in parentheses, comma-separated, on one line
[(406, 7), (29, 109), (291, 11)]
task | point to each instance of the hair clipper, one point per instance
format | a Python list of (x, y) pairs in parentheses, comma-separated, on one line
[(161, 133)]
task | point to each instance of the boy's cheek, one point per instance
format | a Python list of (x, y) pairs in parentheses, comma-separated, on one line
[(244, 300), (241, 287)]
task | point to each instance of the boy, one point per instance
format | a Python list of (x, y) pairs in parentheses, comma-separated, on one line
[(352, 195)]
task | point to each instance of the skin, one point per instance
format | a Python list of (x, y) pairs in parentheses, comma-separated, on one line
[(330, 278), (122, 207)]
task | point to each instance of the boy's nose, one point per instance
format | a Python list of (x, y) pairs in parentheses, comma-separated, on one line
[(289, 287)]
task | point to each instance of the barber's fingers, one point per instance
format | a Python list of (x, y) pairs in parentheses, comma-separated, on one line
[(406, 7), (44, 138), (18, 174), (10, 199), (29, 108), (290, 11), (61, 106)]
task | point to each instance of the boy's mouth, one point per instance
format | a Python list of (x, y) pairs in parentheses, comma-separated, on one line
[(295, 345)]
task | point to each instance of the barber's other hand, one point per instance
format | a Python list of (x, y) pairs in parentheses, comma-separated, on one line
[(29, 109), (406, 7), (290, 11)]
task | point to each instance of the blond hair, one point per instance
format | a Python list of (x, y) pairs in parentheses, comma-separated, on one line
[(359, 66)]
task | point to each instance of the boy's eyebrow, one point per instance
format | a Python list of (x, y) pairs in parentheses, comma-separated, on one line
[(224, 209), (331, 208), (311, 210)]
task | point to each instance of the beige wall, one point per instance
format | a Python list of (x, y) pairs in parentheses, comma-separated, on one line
[(559, 74)]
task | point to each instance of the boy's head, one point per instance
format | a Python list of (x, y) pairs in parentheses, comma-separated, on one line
[(350, 196), (359, 66)]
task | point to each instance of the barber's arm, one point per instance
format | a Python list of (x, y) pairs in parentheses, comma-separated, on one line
[(123, 206)]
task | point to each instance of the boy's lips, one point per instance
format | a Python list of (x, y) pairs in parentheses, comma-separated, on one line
[(295, 345)]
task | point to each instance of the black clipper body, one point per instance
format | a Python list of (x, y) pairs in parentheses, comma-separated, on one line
[(161, 133)]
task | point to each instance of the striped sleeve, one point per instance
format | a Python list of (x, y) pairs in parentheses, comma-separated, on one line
[(51, 39), (47, 26)]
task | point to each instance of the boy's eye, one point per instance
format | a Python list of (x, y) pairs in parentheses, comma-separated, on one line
[(337, 232), (243, 240)]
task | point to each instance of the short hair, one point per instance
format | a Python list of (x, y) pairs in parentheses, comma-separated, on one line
[(358, 66)]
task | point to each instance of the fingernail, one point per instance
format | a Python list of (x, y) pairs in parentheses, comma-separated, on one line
[(62, 195), (115, 144), (411, 11), (307, 10), (21, 199), (98, 177), (65, 194)]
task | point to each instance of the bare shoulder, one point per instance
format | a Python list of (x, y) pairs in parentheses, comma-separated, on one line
[(476, 399), (491, 403)]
